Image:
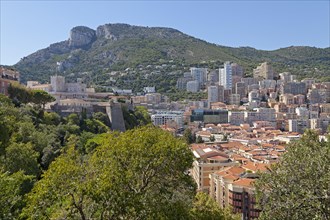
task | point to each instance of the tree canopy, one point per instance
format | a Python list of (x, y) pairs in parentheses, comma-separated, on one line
[(138, 117), (298, 186), (21, 94), (139, 174), (206, 208), (30, 139)]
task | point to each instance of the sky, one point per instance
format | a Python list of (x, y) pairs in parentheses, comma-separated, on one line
[(27, 26)]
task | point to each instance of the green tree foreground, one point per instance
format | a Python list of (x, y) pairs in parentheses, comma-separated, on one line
[(298, 187), (139, 174), (21, 94)]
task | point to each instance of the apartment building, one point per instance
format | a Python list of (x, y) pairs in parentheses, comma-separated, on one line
[(225, 76), (213, 93), (181, 83), (163, 118), (199, 74), (193, 86), (294, 88), (7, 76), (234, 99), (262, 114), (309, 82), (313, 96), (242, 198), (298, 125), (299, 99), (287, 99), (208, 160), (237, 70), (287, 77), (232, 187), (240, 89), (209, 116), (236, 118)]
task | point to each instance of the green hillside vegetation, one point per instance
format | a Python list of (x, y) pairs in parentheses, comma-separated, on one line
[(139, 47)]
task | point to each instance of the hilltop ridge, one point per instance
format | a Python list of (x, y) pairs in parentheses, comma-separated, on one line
[(115, 47)]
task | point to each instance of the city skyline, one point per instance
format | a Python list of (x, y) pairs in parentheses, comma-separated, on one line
[(28, 26)]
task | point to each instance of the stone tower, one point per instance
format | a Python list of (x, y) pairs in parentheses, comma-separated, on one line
[(58, 83)]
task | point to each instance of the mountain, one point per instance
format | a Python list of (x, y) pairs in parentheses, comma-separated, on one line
[(94, 54)]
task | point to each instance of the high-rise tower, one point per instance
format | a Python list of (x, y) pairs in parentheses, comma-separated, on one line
[(225, 76)]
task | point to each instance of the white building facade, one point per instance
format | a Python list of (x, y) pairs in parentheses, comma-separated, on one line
[(225, 76), (163, 118)]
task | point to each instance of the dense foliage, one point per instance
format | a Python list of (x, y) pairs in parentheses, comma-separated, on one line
[(298, 186), (138, 174), (76, 168), (30, 139), (188, 136), (206, 208), (137, 117), (21, 94)]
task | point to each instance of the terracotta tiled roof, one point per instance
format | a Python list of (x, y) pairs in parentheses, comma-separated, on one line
[(231, 177), (233, 144), (237, 157), (234, 171), (197, 146), (218, 158), (255, 166), (267, 145), (245, 148), (244, 182)]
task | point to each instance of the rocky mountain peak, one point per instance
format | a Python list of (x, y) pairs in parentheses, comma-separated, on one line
[(81, 36), (119, 31), (105, 31)]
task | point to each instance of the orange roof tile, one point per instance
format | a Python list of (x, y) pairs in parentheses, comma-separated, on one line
[(239, 158), (233, 144), (267, 145), (244, 182), (231, 177), (236, 170), (217, 158), (197, 146), (255, 166)]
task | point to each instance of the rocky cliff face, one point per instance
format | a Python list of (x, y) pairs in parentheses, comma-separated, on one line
[(105, 31), (81, 36), (125, 31)]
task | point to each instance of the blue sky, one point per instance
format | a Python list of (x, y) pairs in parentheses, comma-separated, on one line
[(27, 26)]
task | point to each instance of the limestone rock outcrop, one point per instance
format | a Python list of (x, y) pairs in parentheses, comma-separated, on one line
[(105, 31), (81, 36)]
